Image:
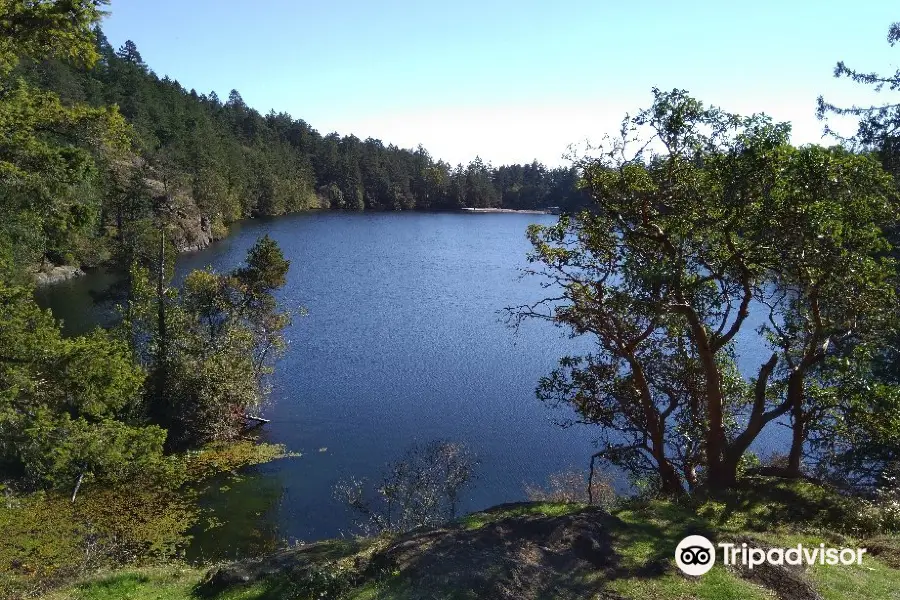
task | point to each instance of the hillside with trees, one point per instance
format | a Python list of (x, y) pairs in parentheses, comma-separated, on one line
[(227, 161)]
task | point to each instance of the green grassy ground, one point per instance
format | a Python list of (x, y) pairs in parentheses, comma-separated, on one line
[(156, 583), (644, 540)]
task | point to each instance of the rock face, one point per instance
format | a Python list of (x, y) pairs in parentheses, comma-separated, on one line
[(789, 582), (519, 557), (193, 232), (529, 556), (511, 551), (51, 275)]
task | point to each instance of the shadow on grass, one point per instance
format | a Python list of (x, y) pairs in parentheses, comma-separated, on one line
[(648, 535), (320, 570), (764, 503)]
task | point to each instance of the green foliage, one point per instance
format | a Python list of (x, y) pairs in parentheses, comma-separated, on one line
[(855, 441), (56, 451), (879, 126), (859, 445), (44, 29), (47, 539), (217, 458), (49, 183), (210, 347), (266, 268), (69, 408), (664, 270)]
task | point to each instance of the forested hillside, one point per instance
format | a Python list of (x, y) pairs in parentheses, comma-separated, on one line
[(226, 161), (183, 367)]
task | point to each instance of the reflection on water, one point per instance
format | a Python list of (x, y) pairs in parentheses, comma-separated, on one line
[(81, 303), (239, 517)]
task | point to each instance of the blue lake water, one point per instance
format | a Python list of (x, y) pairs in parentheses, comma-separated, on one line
[(402, 344)]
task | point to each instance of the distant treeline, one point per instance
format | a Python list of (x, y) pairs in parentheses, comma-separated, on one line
[(239, 163)]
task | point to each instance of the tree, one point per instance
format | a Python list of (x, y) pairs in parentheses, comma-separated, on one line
[(479, 190), (49, 196), (69, 408), (129, 53), (45, 28), (879, 126), (860, 449), (212, 349), (855, 441), (712, 216), (235, 100)]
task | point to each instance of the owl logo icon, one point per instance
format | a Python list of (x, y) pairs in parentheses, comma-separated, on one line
[(695, 555)]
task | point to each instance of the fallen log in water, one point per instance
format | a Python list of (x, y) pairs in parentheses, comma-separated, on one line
[(258, 421)]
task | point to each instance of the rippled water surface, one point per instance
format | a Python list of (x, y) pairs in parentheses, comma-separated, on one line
[(402, 344)]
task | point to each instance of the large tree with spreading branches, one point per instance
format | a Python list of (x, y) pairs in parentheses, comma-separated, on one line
[(701, 218)]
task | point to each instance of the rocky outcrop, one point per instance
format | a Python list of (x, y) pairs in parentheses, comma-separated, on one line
[(528, 556), (56, 274), (193, 232), (514, 557), (788, 582)]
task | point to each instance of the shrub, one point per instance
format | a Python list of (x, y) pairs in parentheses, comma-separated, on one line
[(572, 487), (421, 489)]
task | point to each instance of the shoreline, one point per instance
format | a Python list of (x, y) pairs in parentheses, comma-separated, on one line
[(508, 210), (55, 274)]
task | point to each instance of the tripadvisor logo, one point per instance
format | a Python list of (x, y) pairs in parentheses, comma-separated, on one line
[(696, 555)]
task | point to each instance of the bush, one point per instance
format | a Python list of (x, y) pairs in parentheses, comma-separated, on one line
[(421, 489), (572, 487)]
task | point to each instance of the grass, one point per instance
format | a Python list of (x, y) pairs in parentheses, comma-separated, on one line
[(646, 543), (547, 509), (872, 580), (163, 583), (777, 514), (718, 584)]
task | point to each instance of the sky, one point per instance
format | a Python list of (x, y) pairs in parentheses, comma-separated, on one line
[(509, 81)]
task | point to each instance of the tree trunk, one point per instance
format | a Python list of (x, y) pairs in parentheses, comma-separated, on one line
[(162, 347), (715, 433), (798, 439), (759, 418), (77, 487), (669, 480)]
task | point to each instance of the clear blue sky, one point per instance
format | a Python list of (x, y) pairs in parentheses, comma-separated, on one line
[(509, 81)]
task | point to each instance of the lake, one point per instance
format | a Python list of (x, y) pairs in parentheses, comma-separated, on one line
[(402, 344)]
